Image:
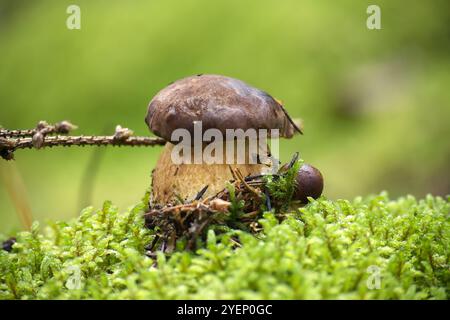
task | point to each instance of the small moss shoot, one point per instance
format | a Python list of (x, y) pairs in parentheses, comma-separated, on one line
[(235, 210)]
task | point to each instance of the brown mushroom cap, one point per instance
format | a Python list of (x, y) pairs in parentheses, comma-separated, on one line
[(219, 102)]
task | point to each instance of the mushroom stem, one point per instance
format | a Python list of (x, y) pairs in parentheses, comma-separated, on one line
[(173, 182)]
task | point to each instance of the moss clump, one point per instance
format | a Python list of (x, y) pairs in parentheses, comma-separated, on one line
[(281, 187), (328, 249)]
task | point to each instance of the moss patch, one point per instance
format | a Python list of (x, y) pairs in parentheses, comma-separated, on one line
[(326, 250)]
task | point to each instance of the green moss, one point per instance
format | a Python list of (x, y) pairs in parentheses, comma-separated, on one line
[(328, 249), (281, 187)]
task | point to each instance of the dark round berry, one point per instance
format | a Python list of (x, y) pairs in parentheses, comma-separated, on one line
[(308, 183)]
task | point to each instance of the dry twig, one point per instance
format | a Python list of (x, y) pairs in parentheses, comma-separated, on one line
[(12, 140)]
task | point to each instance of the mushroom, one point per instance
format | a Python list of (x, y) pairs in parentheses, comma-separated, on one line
[(220, 103)]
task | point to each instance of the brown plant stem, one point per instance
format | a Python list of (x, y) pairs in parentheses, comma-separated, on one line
[(11, 140), (8, 146), (15, 186), (67, 141)]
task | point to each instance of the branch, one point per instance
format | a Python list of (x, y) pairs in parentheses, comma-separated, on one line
[(11, 140), (67, 141)]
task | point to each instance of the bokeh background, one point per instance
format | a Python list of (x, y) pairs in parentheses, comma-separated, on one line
[(375, 103)]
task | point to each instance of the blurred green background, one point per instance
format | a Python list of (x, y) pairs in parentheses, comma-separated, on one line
[(375, 103)]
